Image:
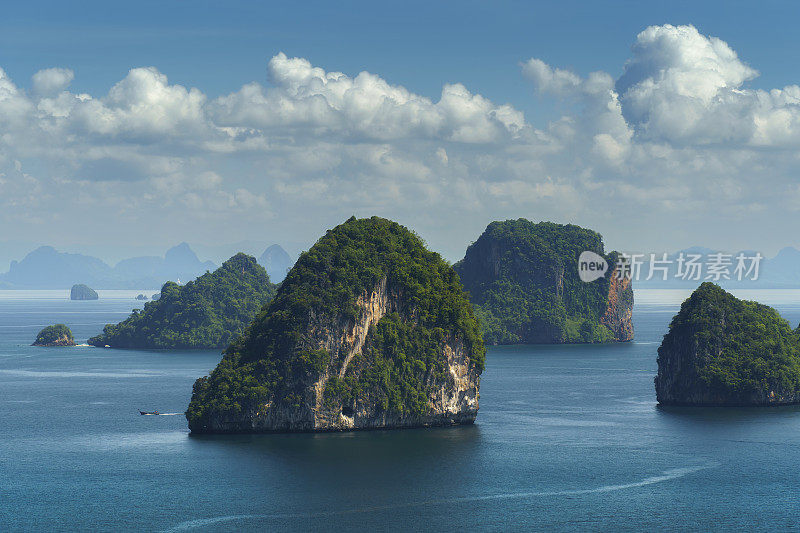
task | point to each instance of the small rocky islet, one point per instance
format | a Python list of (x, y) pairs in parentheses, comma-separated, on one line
[(723, 351), (368, 330), (55, 335), (82, 292)]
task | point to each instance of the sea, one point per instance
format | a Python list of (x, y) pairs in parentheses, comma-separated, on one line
[(568, 438)]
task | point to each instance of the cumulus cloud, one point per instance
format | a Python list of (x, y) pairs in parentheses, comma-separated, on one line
[(52, 81), (680, 132), (304, 98), (683, 88)]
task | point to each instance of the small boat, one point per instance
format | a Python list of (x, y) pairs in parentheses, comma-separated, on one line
[(148, 412)]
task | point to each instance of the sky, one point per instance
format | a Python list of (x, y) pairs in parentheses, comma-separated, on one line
[(662, 125)]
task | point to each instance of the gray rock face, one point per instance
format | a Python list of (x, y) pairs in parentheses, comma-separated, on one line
[(82, 292)]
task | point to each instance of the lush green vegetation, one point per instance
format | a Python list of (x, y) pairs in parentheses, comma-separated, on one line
[(522, 280), (742, 348), (55, 335), (82, 292), (208, 312), (403, 352)]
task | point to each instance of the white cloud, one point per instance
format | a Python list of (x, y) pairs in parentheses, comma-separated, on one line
[(680, 133), (51, 81), (308, 100), (143, 106)]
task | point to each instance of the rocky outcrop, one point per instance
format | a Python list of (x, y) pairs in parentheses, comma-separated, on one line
[(55, 335), (619, 311), (723, 351), (377, 364), (82, 292)]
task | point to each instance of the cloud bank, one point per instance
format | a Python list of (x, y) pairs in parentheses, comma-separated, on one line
[(678, 138)]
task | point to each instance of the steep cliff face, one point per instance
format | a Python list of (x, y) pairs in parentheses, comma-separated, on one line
[(369, 330), (724, 351), (618, 316), (523, 280)]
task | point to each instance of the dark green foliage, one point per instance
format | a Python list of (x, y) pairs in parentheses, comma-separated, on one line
[(523, 281), (208, 312), (744, 348), (55, 335), (270, 363)]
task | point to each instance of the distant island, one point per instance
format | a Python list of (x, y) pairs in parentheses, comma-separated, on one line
[(208, 312), (721, 350), (55, 335), (46, 267), (522, 278), (368, 330), (276, 261), (82, 292)]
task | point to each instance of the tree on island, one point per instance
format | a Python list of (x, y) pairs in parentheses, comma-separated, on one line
[(208, 312), (55, 335)]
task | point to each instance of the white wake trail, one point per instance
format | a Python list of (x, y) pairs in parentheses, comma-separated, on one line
[(667, 475)]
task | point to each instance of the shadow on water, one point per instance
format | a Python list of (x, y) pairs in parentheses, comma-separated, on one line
[(728, 415), (350, 446), (560, 349)]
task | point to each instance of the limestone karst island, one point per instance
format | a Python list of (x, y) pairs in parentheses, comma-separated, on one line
[(723, 351), (368, 330), (522, 279), (428, 266), (208, 312)]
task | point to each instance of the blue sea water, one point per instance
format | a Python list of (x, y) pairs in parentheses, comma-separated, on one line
[(568, 438)]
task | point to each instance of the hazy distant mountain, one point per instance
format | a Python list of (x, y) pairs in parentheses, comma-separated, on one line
[(222, 252), (179, 263), (781, 271), (784, 267), (47, 268), (277, 262), (182, 261)]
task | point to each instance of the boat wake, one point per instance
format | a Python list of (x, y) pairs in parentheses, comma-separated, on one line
[(667, 475)]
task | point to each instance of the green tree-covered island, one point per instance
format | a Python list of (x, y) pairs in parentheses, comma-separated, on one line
[(55, 335), (82, 292), (724, 351), (208, 312), (522, 278), (368, 330)]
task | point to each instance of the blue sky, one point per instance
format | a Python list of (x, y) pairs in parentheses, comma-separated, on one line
[(218, 46), (697, 145)]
